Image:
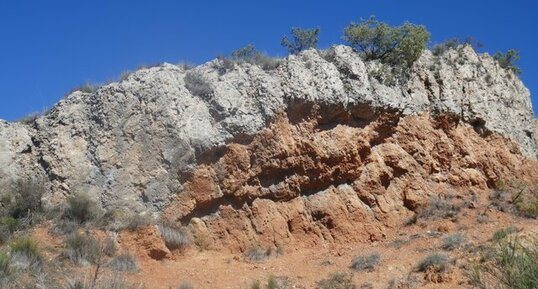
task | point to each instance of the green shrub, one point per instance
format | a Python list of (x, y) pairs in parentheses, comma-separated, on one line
[(395, 45), (503, 233), (25, 245), (249, 54), (447, 45), (336, 281), (512, 264), (518, 264), (82, 249), (526, 202), (25, 253), (10, 223), (437, 261), (455, 43), (367, 262), (4, 263), (5, 234), (24, 197), (302, 39), (81, 208), (507, 60)]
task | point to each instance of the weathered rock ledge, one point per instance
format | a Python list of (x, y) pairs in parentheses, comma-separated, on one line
[(140, 141)]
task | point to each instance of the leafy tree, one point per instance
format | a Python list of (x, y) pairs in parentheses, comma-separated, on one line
[(302, 39), (506, 60), (395, 45)]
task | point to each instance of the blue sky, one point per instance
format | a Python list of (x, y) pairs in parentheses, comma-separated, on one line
[(48, 47)]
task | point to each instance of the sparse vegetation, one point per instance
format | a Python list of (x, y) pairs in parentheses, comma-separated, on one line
[(401, 283), (129, 221), (511, 264), (109, 247), (81, 208), (438, 208), (256, 284), (25, 253), (10, 222), (453, 241), (526, 202), (23, 198), (105, 283), (87, 87), (438, 262), (367, 262), (249, 54), (4, 263), (391, 50), (82, 249), (124, 263), (302, 39), (500, 201), (175, 238), (395, 45), (503, 233), (447, 45), (516, 196), (337, 281), (30, 118), (185, 285), (272, 283), (454, 44), (507, 60), (197, 84), (256, 254)]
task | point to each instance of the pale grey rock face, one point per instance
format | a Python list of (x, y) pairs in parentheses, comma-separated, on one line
[(133, 143)]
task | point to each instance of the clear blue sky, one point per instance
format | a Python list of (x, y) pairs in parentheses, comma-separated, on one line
[(48, 47)]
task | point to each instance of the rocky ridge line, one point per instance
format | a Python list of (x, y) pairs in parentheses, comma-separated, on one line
[(136, 142)]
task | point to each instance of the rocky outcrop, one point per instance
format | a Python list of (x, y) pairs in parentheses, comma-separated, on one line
[(308, 184), (138, 142)]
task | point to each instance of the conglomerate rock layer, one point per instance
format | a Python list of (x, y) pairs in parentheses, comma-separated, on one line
[(311, 182)]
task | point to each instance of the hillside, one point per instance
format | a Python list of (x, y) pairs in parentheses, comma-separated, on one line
[(321, 157)]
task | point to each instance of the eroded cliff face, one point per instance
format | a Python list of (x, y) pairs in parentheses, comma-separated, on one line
[(319, 181), (142, 141)]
